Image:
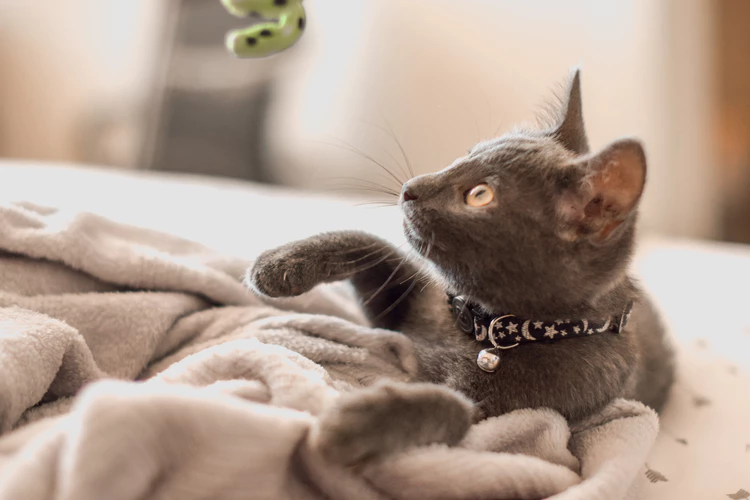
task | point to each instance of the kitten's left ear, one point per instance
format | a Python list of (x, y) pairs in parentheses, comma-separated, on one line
[(569, 131), (606, 194)]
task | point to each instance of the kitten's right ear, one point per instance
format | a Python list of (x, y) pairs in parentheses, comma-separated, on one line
[(606, 193), (569, 131)]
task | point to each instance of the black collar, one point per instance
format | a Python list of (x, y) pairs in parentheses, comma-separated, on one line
[(506, 331)]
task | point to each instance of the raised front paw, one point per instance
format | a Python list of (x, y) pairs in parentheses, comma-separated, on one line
[(282, 272), (370, 424)]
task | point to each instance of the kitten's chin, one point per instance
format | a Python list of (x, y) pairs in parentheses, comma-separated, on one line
[(411, 234), (418, 244)]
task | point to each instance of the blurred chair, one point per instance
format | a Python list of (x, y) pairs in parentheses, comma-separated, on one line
[(207, 112)]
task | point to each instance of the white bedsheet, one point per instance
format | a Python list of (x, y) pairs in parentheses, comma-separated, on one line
[(703, 290)]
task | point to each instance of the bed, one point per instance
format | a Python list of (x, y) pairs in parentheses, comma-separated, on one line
[(702, 288)]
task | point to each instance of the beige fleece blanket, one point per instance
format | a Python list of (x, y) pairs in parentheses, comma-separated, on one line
[(134, 365)]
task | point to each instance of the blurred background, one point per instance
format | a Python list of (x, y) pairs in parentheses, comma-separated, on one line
[(144, 84)]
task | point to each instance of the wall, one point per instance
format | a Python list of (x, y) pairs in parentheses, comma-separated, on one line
[(61, 63)]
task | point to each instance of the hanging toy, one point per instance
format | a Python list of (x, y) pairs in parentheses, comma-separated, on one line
[(281, 24)]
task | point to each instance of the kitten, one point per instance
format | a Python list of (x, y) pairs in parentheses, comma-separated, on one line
[(529, 228)]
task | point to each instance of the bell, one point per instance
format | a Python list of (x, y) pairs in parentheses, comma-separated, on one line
[(488, 360)]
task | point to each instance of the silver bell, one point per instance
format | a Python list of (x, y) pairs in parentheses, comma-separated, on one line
[(488, 360)]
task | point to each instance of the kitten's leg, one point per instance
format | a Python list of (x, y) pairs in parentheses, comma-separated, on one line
[(368, 424), (383, 278)]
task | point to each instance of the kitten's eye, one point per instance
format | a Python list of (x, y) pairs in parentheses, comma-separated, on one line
[(480, 196)]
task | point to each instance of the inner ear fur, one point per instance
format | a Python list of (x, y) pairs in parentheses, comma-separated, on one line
[(608, 191)]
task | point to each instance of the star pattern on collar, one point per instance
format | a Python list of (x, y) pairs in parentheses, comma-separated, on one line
[(550, 331), (538, 325), (512, 328)]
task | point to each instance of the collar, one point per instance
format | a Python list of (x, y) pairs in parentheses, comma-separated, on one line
[(506, 331)]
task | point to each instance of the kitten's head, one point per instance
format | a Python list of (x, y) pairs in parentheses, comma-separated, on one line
[(532, 222)]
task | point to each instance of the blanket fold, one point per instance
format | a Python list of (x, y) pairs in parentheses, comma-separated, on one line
[(134, 364)]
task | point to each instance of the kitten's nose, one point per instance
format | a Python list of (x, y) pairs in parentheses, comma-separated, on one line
[(408, 194)]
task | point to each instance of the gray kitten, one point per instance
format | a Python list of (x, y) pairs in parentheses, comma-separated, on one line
[(530, 224)]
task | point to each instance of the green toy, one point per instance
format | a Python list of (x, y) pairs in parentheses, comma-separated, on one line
[(282, 23)]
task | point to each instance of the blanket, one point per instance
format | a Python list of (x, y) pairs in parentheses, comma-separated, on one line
[(135, 364)]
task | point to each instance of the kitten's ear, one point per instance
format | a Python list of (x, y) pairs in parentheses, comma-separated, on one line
[(606, 194), (569, 131)]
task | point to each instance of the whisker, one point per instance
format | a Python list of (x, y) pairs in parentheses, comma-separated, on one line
[(386, 150), (413, 276), (364, 181), (403, 260), (352, 149), (412, 285), (364, 267), (380, 249), (397, 301), (401, 168), (400, 264), (371, 264), (398, 143), (359, 179), (429, 245), (359, 249), (374, 252), (361, 188), (428, 281), (376, 204)]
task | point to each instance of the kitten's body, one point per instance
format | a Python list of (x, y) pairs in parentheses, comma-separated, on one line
[(554, 243), (573, 376)]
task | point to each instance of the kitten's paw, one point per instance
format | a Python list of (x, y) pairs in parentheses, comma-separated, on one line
[(282, 273), (369, 424)]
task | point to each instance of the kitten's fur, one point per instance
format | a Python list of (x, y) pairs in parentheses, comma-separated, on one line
[(555, 242)]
